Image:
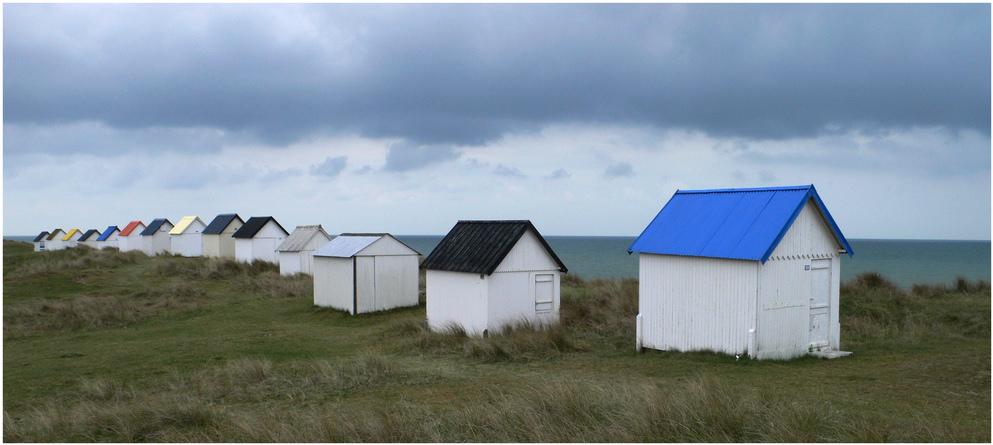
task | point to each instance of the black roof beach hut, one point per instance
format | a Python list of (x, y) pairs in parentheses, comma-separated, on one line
[(485, 275)]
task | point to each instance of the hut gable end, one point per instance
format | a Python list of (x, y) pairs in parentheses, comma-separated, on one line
[(808, 237), (527, 255)]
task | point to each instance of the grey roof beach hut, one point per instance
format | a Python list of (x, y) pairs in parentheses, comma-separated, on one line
[(217, 240), (258, 239), (155, 238), (54, 240), (39, 241), (296, 251), (370, 272), (741, 271), (89, 238), (485, 275)]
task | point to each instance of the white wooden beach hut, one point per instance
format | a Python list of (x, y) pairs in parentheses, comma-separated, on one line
[(109, 238), (130, 237), (89, 238), (39, 241), (54, 241), (485, 275), (365, 272), (741, 271), (217, 240), (257, 240), (296, 251), (187, 236), (71, 239), (155, 238)]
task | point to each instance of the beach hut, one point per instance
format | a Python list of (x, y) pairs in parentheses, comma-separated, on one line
[(741, 271), (485, 275), (71, 239), (39, 241), (155, 238), (131, 236), (217, 240), (187, 236), (54, 241), (370, 272), (295, 253), (109, 238), (258, 239), (89, 238)]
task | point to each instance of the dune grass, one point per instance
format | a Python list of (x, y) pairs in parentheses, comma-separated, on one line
[(105, 346)]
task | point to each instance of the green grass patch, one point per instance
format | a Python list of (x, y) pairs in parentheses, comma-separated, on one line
[(104, 346)]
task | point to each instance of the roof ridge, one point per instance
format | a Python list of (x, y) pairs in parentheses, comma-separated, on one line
[(749, 189)]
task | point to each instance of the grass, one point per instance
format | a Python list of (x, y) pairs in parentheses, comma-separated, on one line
[(104, 346)]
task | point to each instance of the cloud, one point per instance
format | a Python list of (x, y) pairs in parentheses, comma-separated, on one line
[(559, 174), (503, 170), (620, 169), (402, 156), (441, 75), (365, 169), (331, 167)]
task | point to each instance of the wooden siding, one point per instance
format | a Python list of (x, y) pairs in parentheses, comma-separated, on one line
[(457, 298), (527, 255), (512, 299), (158, 243), (783, 324), (387, 245), (333, 283), (190, 242), (694, 303)]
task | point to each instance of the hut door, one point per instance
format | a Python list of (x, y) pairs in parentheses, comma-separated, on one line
[(820, 302), (544, 293), (365, 284)]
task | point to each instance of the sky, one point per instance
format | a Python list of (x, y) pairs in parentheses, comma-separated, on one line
[(406, 118)]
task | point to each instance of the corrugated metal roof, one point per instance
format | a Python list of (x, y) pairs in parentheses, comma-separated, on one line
[(107, 233), (480, 246), (300, 237), (130, 227), (154, 226), (743, 224), (41, 236), (55, 234), (220, 223), (70, 234), (183, 224), (253, 225), (92, 232), (346, 246)]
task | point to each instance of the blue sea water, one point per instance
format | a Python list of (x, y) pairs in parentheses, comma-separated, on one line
[(905, 262)]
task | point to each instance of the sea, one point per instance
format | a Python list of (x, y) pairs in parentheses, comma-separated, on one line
[(904, 262)]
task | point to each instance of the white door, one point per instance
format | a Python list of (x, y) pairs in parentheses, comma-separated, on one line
[(820, 302), (544, 293)]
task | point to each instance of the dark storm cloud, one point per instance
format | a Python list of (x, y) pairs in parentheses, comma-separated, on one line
[(440, 75)]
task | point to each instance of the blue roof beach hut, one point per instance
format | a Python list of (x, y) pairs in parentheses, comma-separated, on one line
[(741, 271)]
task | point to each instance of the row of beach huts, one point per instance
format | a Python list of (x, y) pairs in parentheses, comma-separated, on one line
[(751, 272)]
